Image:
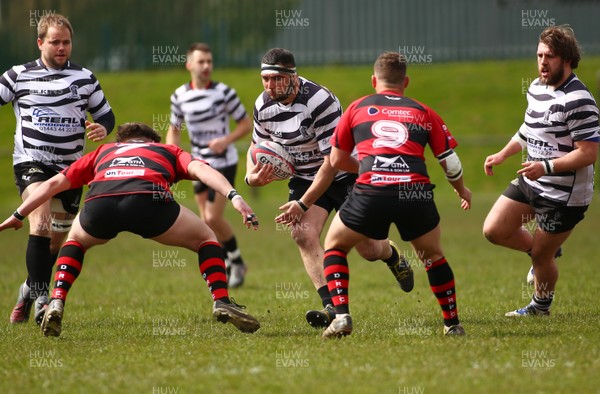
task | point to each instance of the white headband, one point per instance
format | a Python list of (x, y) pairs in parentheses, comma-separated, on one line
[(269, 69)]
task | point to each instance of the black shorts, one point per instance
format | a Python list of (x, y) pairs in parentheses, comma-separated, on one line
[(414, 213), (552, 217), (33, 172), (334, 196), (228, 172), (142, 214)]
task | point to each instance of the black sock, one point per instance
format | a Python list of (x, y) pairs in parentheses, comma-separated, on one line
[(39, 265), (393, 259), (325, 296), (233, 253)]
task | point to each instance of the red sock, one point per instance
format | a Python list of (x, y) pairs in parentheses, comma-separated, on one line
[(337, 275), (212, 267), (68, 267), (441, 281)]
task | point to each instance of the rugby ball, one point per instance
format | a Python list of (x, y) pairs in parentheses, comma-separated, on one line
[(269, 152)]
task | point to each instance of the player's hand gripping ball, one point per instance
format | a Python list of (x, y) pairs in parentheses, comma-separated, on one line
[(269, 152)]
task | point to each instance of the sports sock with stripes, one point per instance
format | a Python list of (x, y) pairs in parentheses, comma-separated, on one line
[(68, 267), (337, 275), (543, 304), (441, 281), (212, 268), (232, 250), (39, 265)]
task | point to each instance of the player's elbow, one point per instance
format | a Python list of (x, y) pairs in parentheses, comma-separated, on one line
[(451, 164), (335, 161)]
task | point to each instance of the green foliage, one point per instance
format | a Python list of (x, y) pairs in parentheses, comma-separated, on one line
[(127, 34), (135, 322)]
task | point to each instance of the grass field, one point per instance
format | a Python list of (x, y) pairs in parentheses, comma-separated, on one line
[(138, 318)]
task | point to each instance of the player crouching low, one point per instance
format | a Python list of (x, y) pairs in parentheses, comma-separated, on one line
[(123, 179)]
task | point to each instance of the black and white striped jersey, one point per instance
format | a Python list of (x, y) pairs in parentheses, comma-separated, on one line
[(555, 119), (303, 127), (206, 114), (50, 110)]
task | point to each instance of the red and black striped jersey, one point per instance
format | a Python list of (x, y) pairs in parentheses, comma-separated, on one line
[(130, 168), (390, 133)]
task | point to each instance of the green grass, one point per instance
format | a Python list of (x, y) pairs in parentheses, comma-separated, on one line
[(131, 326)]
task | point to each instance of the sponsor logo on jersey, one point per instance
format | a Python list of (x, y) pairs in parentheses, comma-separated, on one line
[(123, 173), (46, 92), (539, 143), (35, 170), (390, 164), (44, 111), (378, 178), (45, 118), (372, 110), (400, 113), (134, 161), (539, 148)]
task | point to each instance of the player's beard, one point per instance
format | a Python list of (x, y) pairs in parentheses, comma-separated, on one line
[(554, 77), (287, 92), (55, 63)]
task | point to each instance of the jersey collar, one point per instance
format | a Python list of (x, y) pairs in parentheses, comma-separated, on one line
[(41, 64)]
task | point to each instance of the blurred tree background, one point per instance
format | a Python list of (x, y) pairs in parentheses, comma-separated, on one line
[(128, 34), (141, 34)]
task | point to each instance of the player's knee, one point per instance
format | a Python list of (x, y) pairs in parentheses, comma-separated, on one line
[(213, 221), (55, 246), (196, 244), (371, 250), (491, 234), (304, 236)]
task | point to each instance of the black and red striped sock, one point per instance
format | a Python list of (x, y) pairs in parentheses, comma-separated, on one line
[(441, 281), (337, 275), (68, 267), (212, 267)]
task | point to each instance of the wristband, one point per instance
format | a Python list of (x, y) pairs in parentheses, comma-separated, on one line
[(247, 180), (548, 167), (304, 207), (232, 193), (18, 216)]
